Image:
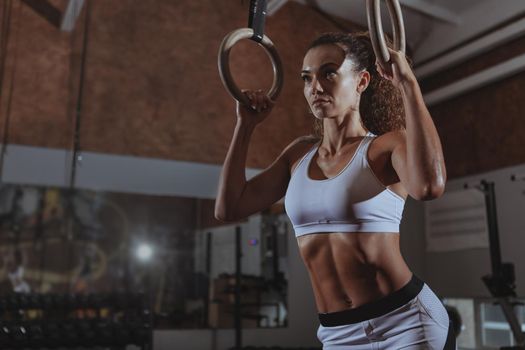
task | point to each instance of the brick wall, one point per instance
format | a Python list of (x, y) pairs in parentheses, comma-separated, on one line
[(151, 85), (482, 130)]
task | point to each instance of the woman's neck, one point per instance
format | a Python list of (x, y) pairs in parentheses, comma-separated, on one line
[(337, 132)]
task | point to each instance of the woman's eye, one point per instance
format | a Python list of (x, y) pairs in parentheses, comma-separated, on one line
[(305, 78), (330, 74)]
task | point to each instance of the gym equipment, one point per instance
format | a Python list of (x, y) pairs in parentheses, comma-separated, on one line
[(375, 27), (255, 32), (501, 282), (127, 323)]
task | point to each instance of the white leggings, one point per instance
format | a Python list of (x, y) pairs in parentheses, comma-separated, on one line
[(412, 318)]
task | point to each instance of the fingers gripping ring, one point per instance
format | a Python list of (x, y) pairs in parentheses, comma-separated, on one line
[(377, 36), (224, 64)]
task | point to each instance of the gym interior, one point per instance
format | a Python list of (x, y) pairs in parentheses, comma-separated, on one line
[(115, 120)]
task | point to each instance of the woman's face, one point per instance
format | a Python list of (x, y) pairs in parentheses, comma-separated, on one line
[(332, 87)]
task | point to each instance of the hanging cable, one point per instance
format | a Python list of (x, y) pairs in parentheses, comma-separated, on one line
[(77, 156), (5, 41), (6, 14)]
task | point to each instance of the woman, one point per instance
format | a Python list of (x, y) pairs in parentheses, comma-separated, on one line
[(345, 193)]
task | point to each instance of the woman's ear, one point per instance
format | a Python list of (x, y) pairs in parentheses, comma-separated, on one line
[(364, 80)]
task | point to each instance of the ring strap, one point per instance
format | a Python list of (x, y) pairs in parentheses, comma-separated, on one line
[(257, 18)]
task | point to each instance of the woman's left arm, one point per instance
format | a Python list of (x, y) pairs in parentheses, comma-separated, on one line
[(417, 155)]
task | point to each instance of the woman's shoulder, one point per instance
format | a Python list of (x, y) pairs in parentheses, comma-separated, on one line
[(305, 139), (390, 139), (299, 147), (303, 143)]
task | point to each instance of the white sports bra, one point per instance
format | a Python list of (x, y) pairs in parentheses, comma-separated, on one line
[(352, 201)]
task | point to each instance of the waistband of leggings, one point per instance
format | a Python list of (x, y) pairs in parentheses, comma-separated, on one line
[(376, 308)]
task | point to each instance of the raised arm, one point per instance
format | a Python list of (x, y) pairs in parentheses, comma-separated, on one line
[(417, 156), (236, 197)]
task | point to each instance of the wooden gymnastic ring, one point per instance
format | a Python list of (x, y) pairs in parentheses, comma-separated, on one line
[(224, 64), (375, 27)]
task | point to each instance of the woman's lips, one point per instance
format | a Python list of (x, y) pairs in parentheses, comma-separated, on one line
[(319, 102)]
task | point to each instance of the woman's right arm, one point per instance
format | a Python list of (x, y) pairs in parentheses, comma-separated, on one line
[(238, 198)]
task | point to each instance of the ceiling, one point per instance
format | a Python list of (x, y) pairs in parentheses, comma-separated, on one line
[(439, 33), (432, 26)]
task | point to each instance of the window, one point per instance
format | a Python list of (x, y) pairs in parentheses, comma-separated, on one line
[(467, 311), (483, 323), (495, 330)]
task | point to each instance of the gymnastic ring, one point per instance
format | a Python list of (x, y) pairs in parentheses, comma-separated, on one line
[(375, 27), (224, 64)]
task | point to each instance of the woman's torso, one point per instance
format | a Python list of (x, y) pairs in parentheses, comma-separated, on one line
[(348, 269)]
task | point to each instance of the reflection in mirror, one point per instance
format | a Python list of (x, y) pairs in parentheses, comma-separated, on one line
[(171, 249)]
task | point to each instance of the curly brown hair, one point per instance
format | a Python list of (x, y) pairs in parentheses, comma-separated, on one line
[(381, 107)]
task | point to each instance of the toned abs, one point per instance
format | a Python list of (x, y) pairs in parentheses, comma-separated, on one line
[(349, 269)]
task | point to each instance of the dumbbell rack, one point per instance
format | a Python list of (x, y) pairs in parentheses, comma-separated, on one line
[(35, 321)]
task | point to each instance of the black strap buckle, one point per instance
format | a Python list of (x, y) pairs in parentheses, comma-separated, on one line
[(257, 18)]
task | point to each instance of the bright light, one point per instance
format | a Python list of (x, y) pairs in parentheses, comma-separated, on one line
[(144, 252)]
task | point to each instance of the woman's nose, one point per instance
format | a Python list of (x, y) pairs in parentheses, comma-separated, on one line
[(316, 86)]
